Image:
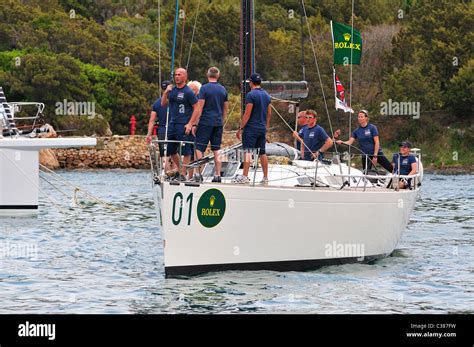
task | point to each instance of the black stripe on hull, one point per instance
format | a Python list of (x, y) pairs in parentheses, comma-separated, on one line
[(292, 265), (18, 207)]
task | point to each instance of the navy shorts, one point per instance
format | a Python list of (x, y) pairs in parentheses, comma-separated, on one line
[(176, 132), (206, 134), (254, 139), (161, 136)]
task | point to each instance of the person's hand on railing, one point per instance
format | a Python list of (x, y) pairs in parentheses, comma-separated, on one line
[(187, 128), (239, 134), (148, 139), (339, 142)]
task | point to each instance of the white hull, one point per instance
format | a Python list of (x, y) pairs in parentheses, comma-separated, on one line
[(279, 228), (19, 171)]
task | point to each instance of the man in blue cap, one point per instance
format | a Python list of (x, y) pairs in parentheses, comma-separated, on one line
[(158, 117), (408, 164), (253, 127)]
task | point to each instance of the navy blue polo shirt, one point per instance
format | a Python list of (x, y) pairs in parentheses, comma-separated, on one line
[(298, 144), (405, 163), (366, 138), (181, 101), (160, 115), (260, 100), (314, 138), (214, 96)]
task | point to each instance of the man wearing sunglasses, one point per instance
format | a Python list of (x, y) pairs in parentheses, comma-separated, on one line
[(314, 139)]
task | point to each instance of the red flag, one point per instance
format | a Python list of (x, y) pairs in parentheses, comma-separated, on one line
[(340, 95)]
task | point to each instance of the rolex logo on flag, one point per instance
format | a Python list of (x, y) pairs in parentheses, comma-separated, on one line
[(340, 95), (347, 44)]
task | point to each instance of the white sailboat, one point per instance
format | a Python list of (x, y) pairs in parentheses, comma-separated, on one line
[(310, 214), (19, 158)]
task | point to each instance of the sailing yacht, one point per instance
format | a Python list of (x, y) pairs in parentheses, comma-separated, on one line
[(309, 214), (19, 157)]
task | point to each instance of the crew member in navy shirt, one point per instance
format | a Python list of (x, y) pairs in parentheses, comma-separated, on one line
[(301, 121), (183, 106), (369, 143), (313, 138), (408, 164), (253, 127), (209, 123), (158, 118)]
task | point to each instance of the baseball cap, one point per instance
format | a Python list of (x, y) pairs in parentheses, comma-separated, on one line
[(405, 144), (165, 84), (255, 78)]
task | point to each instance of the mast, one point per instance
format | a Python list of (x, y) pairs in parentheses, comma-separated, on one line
[(303, 68), (174, 39), (247, 48)]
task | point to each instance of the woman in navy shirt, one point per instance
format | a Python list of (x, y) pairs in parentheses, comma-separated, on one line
[(369, 143)]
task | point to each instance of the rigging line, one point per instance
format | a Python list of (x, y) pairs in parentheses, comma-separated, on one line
[(320, 80), (317, 68), (159, 45), (77, 188), (55, 203), (350, 81), (192, 36), (53, 185), (228, 115), (182, 33), (254, 63), (171, 72), (174, 40)]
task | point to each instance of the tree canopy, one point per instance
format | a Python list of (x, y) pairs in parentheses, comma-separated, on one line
[(107, 52)]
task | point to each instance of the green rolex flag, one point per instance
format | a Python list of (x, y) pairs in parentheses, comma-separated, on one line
[(343, 41)]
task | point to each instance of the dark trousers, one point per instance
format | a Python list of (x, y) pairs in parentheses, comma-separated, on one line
[(381, 159)]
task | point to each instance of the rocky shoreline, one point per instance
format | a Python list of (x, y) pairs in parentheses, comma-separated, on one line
[(112, 152), (131, 152)]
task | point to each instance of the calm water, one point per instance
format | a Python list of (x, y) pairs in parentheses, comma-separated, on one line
[(96, 260)]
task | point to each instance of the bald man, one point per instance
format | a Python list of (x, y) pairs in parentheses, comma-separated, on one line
[(183, 106)]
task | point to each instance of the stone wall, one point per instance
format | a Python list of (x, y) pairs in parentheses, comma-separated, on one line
[(110, 153), (117, 152)]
